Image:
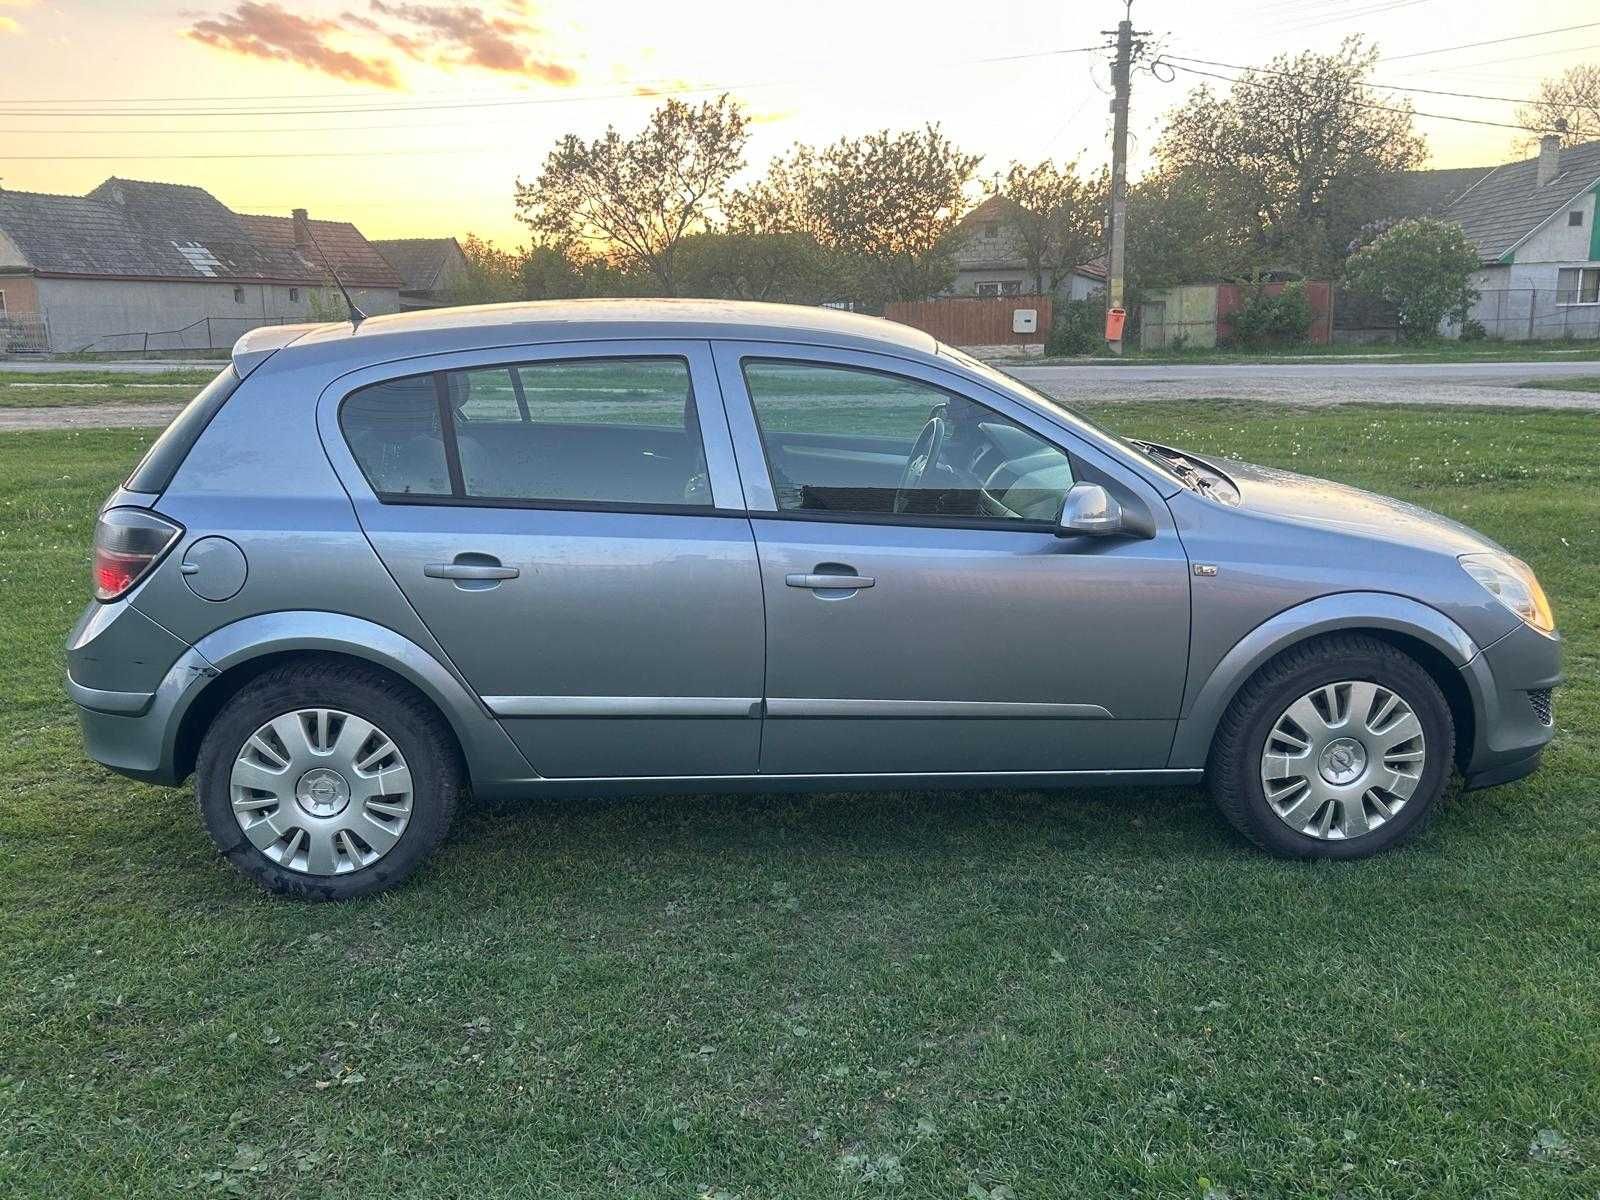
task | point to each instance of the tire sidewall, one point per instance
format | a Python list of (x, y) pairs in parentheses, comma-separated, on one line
[(433, 779), (1398, 674)]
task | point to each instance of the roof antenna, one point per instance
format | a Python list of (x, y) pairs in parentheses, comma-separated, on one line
[(356, 315)]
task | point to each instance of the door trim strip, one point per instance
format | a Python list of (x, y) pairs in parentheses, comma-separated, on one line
[(970, 710), (624, 706)]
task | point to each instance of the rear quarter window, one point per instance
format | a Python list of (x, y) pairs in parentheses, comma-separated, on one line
[(393, 431), (166, 454)]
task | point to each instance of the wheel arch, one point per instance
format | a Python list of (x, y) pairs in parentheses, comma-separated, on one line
[(243, 651), (1433, 640)]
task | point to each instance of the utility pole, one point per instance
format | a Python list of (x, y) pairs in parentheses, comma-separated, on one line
[(1117, 231)]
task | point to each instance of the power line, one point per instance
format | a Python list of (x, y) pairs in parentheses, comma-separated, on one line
[(1381, 107), (1516, 37), (1388, 87), (502, 102)]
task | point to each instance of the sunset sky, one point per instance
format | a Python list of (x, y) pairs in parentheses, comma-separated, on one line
[(414, 119)]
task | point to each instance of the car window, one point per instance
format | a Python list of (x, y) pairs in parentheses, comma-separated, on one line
[(846, 440), (488, 395), (395, 434), (602, 431)]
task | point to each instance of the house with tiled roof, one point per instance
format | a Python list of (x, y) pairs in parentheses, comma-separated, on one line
[(990, 260), (1534, 226), (135, 265), (432, 270)]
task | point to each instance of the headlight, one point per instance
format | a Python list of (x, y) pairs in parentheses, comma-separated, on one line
[(1512, 583)]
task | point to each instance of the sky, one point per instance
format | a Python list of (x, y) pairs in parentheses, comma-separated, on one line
[(415, 119)]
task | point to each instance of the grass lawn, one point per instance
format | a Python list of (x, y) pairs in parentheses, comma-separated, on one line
[(1571, 383), (1445, 350), (24, 389), (934, 995)]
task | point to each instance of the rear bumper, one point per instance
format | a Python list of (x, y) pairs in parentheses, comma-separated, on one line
[(136, 734), (131, 680), (1511, 728)]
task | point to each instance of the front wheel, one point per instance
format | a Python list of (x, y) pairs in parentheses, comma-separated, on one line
[(1337, 749), (327, 782)]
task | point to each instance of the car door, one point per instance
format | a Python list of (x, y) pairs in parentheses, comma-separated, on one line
[(959, 634), (567, 521)]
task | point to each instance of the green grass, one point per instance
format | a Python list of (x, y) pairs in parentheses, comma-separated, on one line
[(1569, 383), (22, 389), (1444, 350), (929, 995)]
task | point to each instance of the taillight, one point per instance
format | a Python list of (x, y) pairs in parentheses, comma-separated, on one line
[(127, 543)]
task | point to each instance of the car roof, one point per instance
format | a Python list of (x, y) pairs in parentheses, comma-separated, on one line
[(441, 330)]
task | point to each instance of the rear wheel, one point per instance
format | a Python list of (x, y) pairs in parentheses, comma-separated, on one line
[(1337, 749), (327, 781)]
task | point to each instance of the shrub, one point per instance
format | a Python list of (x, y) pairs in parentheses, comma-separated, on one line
[(1473, 331), (1422, 267), (1079, 328), (1265, 320)]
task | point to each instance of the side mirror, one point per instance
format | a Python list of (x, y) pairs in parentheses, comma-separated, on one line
[(1091, 510)]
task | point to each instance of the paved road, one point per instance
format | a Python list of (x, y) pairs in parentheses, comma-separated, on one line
[(1321, 383), (116, 367), (1312, 384)]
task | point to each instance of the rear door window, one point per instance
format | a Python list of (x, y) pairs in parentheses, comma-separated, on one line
[(588, 433)]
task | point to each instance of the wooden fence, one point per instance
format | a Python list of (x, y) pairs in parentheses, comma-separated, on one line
[(971, 321)]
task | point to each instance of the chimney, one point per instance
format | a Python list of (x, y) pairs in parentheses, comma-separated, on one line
[(302, 229), (1549, 158)]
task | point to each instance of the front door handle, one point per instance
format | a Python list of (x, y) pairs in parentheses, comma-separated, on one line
[(468, 571), (830, 583)]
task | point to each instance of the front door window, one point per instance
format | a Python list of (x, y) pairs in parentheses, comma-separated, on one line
[(842, 441)]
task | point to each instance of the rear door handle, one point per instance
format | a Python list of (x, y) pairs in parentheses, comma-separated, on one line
[(468, 571), (835, 583)]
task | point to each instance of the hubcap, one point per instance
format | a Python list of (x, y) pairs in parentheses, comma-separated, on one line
[(1343, 760), (321, 791)]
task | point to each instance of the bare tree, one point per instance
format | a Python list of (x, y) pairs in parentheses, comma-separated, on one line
[(1056, 215), (1570, 101), (632, 200), (1298, 155)]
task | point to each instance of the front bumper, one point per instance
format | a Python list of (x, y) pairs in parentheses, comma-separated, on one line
[(1510, 681)]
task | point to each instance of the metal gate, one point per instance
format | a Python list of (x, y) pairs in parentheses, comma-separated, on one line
[(23, 333)]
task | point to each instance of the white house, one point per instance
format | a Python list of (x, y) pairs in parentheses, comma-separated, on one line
[(1533, 224), (136, 265)]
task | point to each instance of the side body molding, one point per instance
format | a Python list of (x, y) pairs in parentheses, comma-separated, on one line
[(493, 758), (1191, 744)]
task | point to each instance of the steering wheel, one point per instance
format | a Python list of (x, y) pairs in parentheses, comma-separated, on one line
[(924, 455)]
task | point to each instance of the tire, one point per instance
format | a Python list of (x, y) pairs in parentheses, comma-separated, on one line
[(371, 850), (1240, 781)]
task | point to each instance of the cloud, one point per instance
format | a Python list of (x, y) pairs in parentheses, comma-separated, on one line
[(467, 36), (265, 30), (7, 25)]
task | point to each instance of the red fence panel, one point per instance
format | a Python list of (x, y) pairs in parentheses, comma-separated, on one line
[(1231, 297)]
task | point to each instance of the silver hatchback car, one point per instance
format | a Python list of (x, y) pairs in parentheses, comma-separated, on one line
[(647, 546)]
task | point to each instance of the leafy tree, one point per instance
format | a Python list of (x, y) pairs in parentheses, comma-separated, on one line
[(493, 275), (1297, 156), (1056, 216), (1572, 97), (1176, 235), (1422, 267), (783, 267), (884, 203), (632, 200)]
